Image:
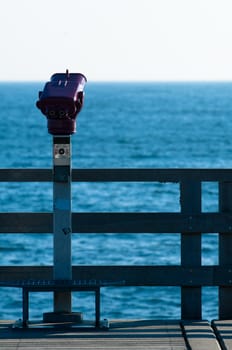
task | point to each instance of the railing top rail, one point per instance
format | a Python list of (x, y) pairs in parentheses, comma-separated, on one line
[(120, 175)]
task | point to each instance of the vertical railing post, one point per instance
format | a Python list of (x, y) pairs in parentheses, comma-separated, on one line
[(225, 250), (190, 249), (62, 219)]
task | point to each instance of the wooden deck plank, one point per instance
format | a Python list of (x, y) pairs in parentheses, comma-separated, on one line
[(223, 330), (200, 335), (122, 335)]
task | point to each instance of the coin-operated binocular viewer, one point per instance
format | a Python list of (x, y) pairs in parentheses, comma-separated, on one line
[(61, 101)]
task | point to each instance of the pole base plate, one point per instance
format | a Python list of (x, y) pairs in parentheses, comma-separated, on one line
[(57, 317)]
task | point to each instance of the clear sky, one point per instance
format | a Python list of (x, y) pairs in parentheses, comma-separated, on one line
[(116, 39)]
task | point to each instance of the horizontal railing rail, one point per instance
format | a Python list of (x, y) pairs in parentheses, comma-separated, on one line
[(120, 222), (190, 222), (149, 275), (119, 175)]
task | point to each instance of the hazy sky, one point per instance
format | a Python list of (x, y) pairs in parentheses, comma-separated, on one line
[(116, 39)]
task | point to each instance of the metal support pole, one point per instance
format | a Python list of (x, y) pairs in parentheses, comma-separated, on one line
[(62, 219), (25, 307), (97, 307), (61, 101)]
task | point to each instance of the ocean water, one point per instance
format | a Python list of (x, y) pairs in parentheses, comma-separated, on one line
[(122, 125)]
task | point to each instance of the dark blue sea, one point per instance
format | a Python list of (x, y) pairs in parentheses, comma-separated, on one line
[(122, 125)]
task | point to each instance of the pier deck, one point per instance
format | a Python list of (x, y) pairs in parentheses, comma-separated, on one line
[(122, 334)]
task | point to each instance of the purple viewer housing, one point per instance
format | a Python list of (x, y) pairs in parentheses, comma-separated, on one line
[(61, 101)]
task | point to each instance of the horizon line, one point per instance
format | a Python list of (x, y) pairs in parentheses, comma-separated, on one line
[(127, 81)]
